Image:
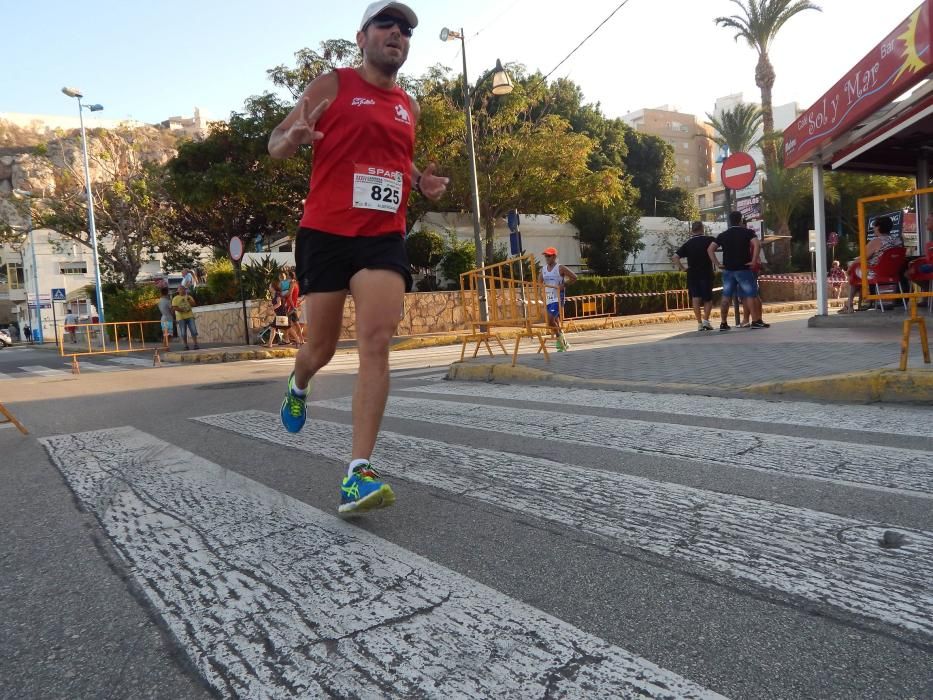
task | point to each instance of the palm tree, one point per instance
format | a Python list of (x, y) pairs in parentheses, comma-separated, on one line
[(759, 24), (784, 191), (737, 128)]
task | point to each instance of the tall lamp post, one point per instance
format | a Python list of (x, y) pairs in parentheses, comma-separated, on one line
[(74, 92), (501, 85), (35, 267)]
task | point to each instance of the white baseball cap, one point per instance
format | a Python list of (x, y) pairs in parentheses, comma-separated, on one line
[(376, 7)]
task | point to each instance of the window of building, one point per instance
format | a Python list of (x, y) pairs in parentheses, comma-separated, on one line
[(15, 275), (686, 179), (702, 201), (719, 198), (72, 268)]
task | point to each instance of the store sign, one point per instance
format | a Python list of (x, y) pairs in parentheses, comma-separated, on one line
[(902, 60)]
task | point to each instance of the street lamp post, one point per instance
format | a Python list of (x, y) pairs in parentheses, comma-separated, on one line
[(35, 267), (74, 92), (501, 85)]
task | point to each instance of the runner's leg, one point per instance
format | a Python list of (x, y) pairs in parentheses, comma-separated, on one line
[(324, 316), (378, 295)]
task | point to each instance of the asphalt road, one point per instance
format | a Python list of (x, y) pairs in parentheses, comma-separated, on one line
[(164, 538)]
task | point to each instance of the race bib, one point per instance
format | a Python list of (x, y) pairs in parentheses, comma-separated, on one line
[(377, 188)]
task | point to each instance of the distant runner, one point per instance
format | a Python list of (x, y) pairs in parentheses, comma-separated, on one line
[(555, 277)]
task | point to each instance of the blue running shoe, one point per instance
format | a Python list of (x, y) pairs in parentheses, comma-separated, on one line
[(363, 491), (293, 408)]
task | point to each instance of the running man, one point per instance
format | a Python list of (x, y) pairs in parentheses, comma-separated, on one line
[(699, 272), (555, 277), (351, 239)]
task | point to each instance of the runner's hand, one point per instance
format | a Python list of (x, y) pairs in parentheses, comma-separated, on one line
[(302, 131), (433, 186)]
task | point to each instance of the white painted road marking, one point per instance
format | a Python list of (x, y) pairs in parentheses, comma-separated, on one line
[(135, 361), (896, 420), (866, 466), (44, 371), (94, 367), (272, 598), (826, 559)]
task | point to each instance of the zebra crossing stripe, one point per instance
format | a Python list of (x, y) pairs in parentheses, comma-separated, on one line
[(43, 371), (867, 466), (271, 598), (827, 559), (135, 361), (94, 367), (894, 420)]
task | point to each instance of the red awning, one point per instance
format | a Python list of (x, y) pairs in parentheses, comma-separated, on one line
[(899, 63)]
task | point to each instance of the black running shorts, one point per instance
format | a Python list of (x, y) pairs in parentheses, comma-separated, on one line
[(325, 262), (700, 286)]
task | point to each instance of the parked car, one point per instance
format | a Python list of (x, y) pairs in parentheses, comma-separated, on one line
[(5, 339)]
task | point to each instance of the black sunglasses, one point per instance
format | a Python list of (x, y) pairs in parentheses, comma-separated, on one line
[(389, 21)]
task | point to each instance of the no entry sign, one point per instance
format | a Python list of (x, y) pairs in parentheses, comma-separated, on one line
[(738, 171)]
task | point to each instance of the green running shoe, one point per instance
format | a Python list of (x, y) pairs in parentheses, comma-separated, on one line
[(293, 408)]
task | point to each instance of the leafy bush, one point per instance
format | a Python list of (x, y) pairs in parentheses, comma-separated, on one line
[(220, 282), (258, 276), (139, 304), (633, 284), (460, 257)]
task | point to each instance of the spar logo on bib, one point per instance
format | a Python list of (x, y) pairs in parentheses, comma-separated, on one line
[(401, 115)]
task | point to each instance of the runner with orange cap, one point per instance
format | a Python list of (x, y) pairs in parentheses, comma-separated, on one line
[(555, 277)]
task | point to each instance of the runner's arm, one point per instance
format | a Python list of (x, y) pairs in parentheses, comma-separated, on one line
[(566, 272), (298, 127)]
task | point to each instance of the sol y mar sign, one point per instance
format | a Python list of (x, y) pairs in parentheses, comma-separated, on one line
[(899, 62)]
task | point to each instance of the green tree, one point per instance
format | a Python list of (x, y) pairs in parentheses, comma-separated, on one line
[(758, 24), (677, 203), (459, 257), (309, 64), (131, 214), (227, 184), (608, 235), (785, 191), (650, 162), (850, 186), (737, 128), (525, 163), (425, 249)]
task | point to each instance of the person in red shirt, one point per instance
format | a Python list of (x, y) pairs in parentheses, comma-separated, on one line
[(352, 235)]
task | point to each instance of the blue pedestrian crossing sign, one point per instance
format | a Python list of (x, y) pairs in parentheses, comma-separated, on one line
[(58, 294)]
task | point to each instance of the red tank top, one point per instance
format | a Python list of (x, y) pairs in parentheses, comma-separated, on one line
[(361, 172)]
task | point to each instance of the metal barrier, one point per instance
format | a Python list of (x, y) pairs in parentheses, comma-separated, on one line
[(10, 418), (676, 300), (128, 336), (512, 301), (586, 306)]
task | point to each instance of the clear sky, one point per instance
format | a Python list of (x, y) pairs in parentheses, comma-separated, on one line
[(152, 60)]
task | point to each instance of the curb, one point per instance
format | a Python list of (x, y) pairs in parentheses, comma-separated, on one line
[(884, 385), (214, 356), (506, 373)]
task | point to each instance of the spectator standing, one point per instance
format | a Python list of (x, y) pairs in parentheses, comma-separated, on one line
[(699, 273), (183, 304), (166, 316), (294, 309), (27, 333), (71, 323), (740, 249)]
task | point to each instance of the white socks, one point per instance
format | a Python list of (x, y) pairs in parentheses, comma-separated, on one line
[(354, 464)]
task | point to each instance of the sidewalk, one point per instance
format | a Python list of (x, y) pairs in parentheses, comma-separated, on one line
[(790, 358)]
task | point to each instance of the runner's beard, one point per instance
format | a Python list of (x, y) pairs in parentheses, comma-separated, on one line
[(386, 64)]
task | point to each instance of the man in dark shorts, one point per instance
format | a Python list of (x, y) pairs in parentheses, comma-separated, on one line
[(362, 126), (699, 272), (740, 250)]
